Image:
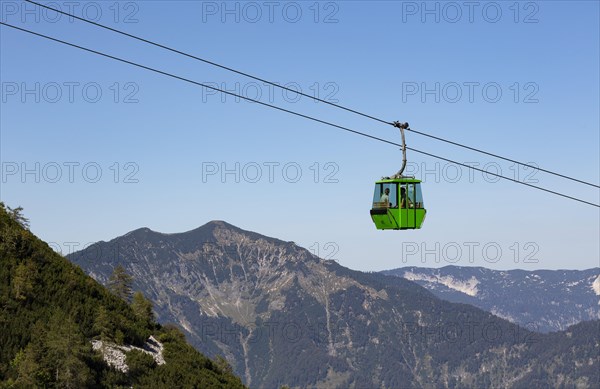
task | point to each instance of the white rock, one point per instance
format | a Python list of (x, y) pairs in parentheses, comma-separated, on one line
[(596, 287), (468, 287), (114, 354)]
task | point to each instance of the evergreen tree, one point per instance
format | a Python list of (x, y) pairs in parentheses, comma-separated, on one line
[(139, 363), (66, 352), (120, 282), (142, 307), (104, 325), (23, 280), (27, 363), (17, 215)]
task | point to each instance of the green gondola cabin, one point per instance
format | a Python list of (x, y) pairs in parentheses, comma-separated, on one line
[(398, 204)]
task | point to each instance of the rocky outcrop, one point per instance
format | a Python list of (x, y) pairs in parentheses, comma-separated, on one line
[(115, 355)]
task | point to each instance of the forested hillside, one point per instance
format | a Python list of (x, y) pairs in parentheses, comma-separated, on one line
[(51, 311)]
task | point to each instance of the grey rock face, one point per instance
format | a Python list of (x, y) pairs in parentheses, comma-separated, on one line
[(282, 316)]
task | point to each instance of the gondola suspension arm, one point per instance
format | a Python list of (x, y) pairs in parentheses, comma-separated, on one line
[(402, 127)]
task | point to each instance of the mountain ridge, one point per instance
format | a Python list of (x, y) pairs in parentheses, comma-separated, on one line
[(544, 300), (281, 315), (206, 227)]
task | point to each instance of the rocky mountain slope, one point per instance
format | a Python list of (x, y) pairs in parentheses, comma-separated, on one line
[(282, 316), (541, 300)]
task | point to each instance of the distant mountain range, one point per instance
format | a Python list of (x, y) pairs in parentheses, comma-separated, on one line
[(282, 316), (541, 300)]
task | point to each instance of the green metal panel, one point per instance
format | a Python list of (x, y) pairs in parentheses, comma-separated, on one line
[(420, 217), (392, 219), (388, 221)]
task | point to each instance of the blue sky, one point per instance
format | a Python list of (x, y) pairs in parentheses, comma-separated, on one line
[(110, 148)]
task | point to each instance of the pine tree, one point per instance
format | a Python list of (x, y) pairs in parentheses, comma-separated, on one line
[(139, 363), (29, 364), (28, 367), (142, 307), (120, 282), (66, 352), (17, 215), (103, 324), (23, 280)]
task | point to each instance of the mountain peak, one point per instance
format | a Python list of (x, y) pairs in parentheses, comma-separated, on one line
[(143, 230), (217, 244), (284, 316), (203, 232), (214, 224)]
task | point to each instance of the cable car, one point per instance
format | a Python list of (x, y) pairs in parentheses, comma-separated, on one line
[(398, 200), (398, 204)]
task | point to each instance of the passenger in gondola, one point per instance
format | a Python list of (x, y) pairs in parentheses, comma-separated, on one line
[(404, 200), (385, 198)]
